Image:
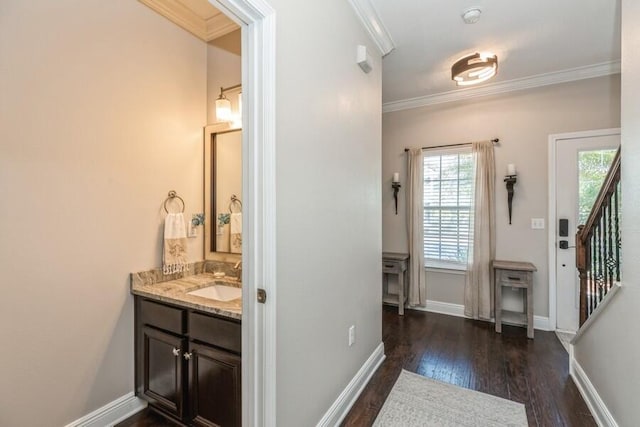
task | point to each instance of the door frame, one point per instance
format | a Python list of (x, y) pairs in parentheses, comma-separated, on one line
[(257, 19), (554, 139)]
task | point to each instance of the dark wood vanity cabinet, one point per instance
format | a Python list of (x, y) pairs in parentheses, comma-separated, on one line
[(188, 364)]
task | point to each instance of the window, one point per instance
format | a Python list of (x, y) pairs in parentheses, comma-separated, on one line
[(448, 192)]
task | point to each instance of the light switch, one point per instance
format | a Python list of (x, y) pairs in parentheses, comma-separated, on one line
[(537, 223)]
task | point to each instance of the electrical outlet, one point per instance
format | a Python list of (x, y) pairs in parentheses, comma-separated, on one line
[(352, 335), (537, 223)]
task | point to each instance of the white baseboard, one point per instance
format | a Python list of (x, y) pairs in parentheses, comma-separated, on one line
[(442, 308), (111, 413), (347, 398), (591, 397), (539, 322)]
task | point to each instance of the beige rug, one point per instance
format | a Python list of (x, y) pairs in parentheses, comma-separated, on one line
[(419, 401)]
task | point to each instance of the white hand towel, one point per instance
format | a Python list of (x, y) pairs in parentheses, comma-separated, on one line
[(174, 254), (236, 233)]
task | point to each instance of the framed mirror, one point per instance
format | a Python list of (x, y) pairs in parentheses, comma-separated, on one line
[(222, 190)]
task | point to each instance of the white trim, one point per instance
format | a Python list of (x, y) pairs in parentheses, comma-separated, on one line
[(349, 395), (552, 221), (443, 308), (258, 22), (596, 313), (111, 413), (589, 393), (573, 74), (374, 26), (539, 322), (443, 270)]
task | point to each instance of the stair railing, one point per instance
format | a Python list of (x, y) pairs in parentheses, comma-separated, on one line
[(598, 241)]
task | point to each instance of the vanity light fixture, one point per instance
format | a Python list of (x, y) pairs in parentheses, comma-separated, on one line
[(223, 105), (474, 69)]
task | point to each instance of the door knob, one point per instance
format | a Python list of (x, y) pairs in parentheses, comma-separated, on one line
[(187, 356), (176, 351)]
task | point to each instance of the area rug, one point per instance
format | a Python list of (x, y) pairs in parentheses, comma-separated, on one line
[(419, 401)]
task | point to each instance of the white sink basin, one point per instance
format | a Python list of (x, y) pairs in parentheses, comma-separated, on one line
[(218, 292)]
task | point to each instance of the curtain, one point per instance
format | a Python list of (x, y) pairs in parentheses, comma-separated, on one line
[(415, 228), (478, 290)]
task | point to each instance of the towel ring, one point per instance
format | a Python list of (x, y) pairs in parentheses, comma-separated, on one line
[(234, 201), (172, 196)]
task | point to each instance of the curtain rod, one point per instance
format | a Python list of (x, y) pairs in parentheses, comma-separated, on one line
[(495, 141)]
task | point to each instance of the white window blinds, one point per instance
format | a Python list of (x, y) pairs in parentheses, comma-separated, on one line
[(448, 190)]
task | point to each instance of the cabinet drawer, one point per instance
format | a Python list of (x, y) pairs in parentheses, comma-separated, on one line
[(391, 267), (163, 317), (222, 333), (513, 278)]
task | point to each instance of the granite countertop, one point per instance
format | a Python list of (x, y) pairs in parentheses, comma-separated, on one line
[(175, 292)]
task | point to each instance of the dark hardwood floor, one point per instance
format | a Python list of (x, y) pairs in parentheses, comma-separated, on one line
[(470, 354), (147, 418)]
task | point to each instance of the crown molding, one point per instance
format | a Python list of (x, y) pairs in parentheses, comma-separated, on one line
[(564, 76), (206, 29), (179, 14), (373, 25), (219, 26)]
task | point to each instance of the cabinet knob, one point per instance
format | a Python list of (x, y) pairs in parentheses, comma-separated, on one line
[(176, 352), (187, 356)]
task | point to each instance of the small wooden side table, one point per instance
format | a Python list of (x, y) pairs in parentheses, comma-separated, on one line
[(395, 263), (515, 275)]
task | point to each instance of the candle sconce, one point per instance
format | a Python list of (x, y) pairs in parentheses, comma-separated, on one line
[(511, 181), (396, 187)]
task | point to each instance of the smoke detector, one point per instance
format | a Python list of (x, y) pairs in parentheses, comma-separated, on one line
[(471, 16)]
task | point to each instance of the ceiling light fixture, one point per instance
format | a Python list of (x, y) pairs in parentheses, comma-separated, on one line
[(474, 69), (471, 16)]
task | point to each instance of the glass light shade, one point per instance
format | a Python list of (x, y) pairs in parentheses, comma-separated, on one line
[(223, 109)]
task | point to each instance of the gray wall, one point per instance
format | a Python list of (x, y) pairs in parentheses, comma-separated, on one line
[(610, 349), (328, 206), (523, 121), (101, 114)]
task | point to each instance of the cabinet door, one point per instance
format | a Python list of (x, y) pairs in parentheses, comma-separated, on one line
[(163, 369), (214, 387)]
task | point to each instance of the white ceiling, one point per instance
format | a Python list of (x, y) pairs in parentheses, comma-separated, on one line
[(530, 38)]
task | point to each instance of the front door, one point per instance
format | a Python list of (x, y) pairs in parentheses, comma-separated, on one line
[(582, 164)]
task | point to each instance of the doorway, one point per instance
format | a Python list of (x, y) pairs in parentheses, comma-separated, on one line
[(578, 164), (257, 20)]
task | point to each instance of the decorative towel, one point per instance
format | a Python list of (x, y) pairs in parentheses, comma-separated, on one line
[(236, 233), (174, 253)]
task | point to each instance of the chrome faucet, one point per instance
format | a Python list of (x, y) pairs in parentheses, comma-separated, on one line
[(238, 268)]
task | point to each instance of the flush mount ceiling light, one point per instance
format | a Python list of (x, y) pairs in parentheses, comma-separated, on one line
[(471, 16), (474, 69)]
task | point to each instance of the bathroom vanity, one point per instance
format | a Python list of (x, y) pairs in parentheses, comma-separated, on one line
[(188, 346)]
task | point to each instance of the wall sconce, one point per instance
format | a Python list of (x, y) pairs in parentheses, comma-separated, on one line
[(510, 179), (395, 184), (223, 105)]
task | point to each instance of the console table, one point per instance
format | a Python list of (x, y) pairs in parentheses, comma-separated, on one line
[(517, 275), (395, 263)]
